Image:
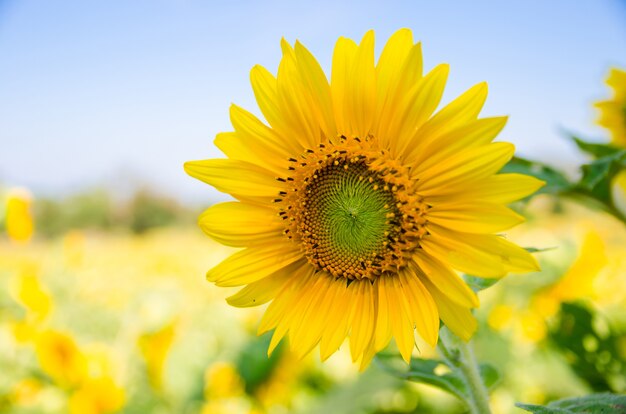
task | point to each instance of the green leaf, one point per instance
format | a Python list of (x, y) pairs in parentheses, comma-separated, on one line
[(489, 375), (426, 371), (589, 404), (253, 364), (597, 176), (479, 283), (540, 409), (423, 370), (594, 149), (556, 182), (593, 352)]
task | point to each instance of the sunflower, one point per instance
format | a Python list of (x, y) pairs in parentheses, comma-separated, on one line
[(357, 203), (613, 111)]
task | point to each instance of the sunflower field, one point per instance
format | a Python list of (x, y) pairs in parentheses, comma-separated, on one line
[(371, 245)]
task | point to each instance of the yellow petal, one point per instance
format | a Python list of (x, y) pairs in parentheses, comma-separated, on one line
[(446, 280), (308, 330), (417, 106), (400, 314), (474, 217), (468, 166), (278, 308), (258, 136), (343, 60), (458, 319), (295, 102), (266, 289), (361, 88), (363, 316), (300, 303), (397, 71), (240, 224), (240, 179), (458, 112), (422, 307), (288, 305), (314, 78), (383, 332), (482, 255), (367, 356), (254, 263), (339, 319), (500, 188), (474, 133), (236, 148), (388, 69), (266, 93)]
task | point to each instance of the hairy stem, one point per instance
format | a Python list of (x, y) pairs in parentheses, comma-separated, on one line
[(459, 355)]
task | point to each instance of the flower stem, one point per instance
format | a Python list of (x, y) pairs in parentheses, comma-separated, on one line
[(459, 356)]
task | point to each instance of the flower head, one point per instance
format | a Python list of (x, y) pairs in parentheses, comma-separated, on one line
[(613, 111), (358, 202)]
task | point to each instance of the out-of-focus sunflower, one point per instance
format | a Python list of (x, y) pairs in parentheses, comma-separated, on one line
[(578, 283), (358, 201), (154, 347), (613, 111), (29, 292), (97, 396), (60, 358), (19, 219)]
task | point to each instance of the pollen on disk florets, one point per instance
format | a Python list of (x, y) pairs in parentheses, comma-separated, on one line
[(353, 208)]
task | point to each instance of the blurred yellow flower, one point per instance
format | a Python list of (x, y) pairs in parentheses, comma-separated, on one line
[(359, 202), (618, 192), (499, 317), (577, 282), (533, 326), (30, 294), (613, 111), (222, 381), (97, 396), (19, 219), (60, 358), (154, 347), (529, 322), (24, 330), (25, 391)]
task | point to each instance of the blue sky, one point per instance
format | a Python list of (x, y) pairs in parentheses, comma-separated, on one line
[(116, 91)]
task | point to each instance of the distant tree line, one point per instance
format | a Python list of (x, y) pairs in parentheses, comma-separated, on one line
[(97, 209)]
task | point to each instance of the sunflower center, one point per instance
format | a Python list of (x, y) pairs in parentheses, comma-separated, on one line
[(349, 218), (352, 210)]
